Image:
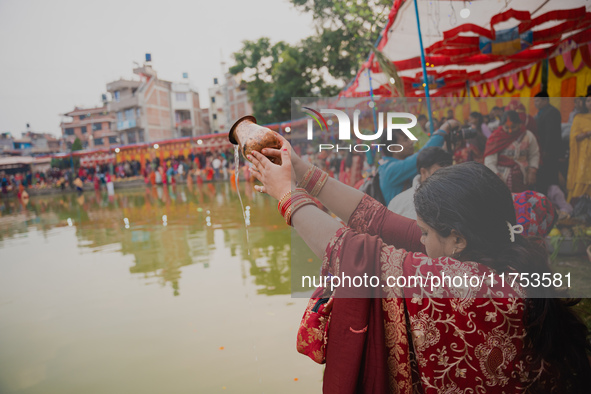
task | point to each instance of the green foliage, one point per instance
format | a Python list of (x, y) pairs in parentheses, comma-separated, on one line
[(319, 65), (76, 145), (345, 28)]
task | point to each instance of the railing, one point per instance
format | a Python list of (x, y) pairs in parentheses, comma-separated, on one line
[(184, 123), (126, 124), (124, 103)]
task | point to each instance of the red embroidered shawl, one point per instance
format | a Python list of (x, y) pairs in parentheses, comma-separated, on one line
[(417, 343)]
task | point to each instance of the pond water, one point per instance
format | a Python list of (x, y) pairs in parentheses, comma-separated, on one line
[(149, 291)]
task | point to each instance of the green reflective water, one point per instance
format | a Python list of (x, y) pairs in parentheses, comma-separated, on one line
[(169, 301)]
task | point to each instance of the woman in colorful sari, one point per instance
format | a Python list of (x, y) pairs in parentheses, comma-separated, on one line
[(444, 339), (579, 175), (513, 153)]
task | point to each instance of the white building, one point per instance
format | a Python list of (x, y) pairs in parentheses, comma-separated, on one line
[(188, 117), (227, 103)]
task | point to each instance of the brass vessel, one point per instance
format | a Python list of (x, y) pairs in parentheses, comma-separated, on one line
[(251, 137)]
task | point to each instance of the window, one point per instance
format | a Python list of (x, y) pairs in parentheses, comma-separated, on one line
[(83, 129), (69, 131), (97, 126), (215, 116), (215, 81), (129, 114), (82, 117), (112, 140), (181, 96), (213, 99), (141, 134), (119, 116), (98, 141), (117, 96), (138, 113), (131, 138)]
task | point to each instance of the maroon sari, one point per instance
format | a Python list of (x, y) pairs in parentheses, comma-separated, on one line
[(404, 342)]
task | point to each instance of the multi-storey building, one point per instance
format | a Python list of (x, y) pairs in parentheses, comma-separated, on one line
[(188, 117), (151, 109), (42, 143), (228, 102), (6, 142), (142, 108), (93, 126), (205, 119)]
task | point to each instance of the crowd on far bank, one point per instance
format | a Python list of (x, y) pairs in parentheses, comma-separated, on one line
[(215, 165)]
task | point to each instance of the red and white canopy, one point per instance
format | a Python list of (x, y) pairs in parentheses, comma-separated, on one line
[(475, 41)]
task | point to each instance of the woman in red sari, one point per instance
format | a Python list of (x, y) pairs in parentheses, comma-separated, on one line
[(513, 153), (443, 339)]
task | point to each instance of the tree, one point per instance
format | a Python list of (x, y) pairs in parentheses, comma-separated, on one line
[(76, 145), (319, 65), (347, 30), (273, 73)]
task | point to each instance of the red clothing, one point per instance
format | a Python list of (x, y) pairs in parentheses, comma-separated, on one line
[(413, 339), (500, 139), (209, 173), (497, 142)]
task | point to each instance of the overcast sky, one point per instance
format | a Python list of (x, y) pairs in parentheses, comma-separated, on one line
[(57, 54)]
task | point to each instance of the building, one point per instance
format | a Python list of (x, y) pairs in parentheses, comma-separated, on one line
[(188, 116), (23, 146), (205, 119), (142, 108), (228, 102), (42, 143), (6, 143), (93, 126), (151, 109)]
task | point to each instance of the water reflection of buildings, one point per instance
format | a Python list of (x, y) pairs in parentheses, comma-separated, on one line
[(162, 247)]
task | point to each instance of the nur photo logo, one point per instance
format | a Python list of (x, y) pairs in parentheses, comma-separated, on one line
[(393, 121)]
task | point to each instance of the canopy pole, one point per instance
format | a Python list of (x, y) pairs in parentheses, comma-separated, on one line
[(375, 121), (425, 78)]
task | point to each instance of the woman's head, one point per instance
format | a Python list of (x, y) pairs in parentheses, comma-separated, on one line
[(468, 208), (580, 104), (511, 121), (476, 119)]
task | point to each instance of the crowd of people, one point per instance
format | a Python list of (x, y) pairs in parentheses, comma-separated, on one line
[(206, 166), (528, 153)]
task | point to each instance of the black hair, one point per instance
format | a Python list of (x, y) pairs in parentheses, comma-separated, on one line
[(422, 117), (583, 99), (472, 200), (432, 155), (477, 116), (513, 116), (543, 93)]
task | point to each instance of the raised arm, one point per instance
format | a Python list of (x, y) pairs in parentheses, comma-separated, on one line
[(339, 198), (314, 226)]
